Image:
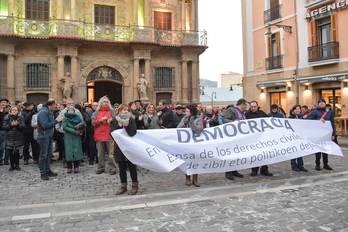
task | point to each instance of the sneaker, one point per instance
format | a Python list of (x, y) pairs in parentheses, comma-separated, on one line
[(76, 170), (327, 167), (69, 170), (51, 174), (44, 176)]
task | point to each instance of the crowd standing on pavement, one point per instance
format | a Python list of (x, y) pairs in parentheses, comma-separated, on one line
[(84, 130)]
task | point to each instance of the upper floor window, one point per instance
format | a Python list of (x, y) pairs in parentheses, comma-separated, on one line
[(37, 75), (275, 59), (274, 12), (324, 39), (104, 14), (163, 20), (164, 77), (37, 9)]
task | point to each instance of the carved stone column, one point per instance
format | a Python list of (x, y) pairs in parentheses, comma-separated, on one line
[(10, 78), (60, 9), (74, 76), (136, 12), (10, 7), (183, 15), (195, 95), (60, 74), (135, 78), (73, 10), (193, 15), (184, 82)]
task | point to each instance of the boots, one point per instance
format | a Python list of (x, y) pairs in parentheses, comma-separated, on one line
[(135, 186), (122, 189), (16, 161), (12, 161), (195, 181), (188, 180)]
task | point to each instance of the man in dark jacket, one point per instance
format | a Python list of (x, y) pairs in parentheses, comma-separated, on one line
[(166, 114), (235, 113), (255, 112), (274, 112), (27, 114), (3, 104), (178, 115), (45, 124), (323, 114)]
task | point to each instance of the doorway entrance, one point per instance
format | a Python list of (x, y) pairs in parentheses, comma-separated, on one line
[(333, 97), (105, 81), (98, 89)]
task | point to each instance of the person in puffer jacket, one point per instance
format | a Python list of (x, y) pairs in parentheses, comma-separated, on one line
[(14, 125)]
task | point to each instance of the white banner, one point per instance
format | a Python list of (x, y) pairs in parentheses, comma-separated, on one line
[(232, 146)]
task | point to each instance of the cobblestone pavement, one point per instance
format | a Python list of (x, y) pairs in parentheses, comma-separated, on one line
[(288, 201)]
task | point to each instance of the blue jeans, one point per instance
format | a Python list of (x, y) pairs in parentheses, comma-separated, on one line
[(298, 164), (46, 153), (2, 146)]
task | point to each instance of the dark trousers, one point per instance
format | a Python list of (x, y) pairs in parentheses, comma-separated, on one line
[(264, 169), (123, 171), (14, 157), (318, 157), (29, 140), (92, 149), (76, 164), (61, 149)]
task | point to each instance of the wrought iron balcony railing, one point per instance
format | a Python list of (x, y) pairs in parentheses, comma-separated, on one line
[(323, 52), (273, 14), (274, 62), (72, 29)]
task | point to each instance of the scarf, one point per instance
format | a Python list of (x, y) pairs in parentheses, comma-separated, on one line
[(241, 116), (72, 118), (123, 118), (136, 113)]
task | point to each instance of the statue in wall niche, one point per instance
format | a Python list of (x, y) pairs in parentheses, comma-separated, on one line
[(142, 87), (67, 86)]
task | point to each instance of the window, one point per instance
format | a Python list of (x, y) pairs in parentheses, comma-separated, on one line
[(104, 15), (37, 75), (38, 9), (324, 39), (275, 58), (163, 20), (274, 11), (164, 78)]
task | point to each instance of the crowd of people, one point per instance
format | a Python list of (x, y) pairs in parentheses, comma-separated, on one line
[(79, 130)]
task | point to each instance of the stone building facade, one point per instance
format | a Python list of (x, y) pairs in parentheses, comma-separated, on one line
[(85, 49)]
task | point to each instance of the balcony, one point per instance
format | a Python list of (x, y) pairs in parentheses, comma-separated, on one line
[(274, 62), (73, 29), (323, 52), (311, 4), (273, 14)]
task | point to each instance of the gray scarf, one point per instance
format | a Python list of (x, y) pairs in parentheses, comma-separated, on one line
[(123, 118)]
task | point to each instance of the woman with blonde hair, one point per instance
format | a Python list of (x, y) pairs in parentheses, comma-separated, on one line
[(124, 120), (14, 125), (151, 118)]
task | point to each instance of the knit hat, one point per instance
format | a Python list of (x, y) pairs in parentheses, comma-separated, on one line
[(321, 100), (274, 106), (70, 107)]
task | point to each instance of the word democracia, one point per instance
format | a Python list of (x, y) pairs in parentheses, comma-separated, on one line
[(233, 129)]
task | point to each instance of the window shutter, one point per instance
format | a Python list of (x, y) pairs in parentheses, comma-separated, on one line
[(314, 29), (269, 46), (334, 27), (277, 37)]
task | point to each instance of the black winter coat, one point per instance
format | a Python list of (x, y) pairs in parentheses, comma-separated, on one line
[(27, 115), (131, 131), (15, 134)]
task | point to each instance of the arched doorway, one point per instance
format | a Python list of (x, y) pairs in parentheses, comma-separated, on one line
[(105, 81)]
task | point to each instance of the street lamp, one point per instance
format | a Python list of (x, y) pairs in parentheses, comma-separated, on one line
[(212, 98), (286, 28), (231, 89), (201, 87)]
